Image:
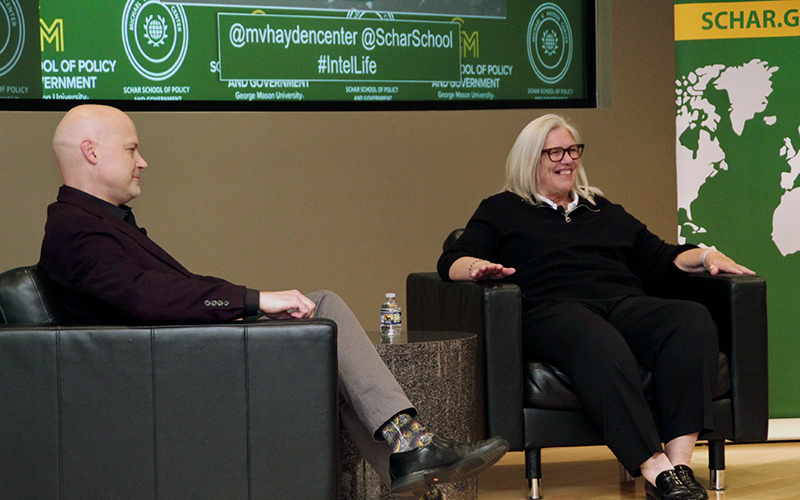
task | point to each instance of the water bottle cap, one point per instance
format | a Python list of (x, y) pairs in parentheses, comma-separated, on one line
[(389, 295)]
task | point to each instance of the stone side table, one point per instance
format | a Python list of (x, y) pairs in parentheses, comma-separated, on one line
[(437, 371)]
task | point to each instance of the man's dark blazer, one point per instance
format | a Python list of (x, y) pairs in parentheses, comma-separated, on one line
[(109, 272)]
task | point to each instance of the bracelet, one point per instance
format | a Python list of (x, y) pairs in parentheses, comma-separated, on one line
[(469, 272), (704, 258)]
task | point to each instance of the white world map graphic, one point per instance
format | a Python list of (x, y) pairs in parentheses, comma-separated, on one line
[(748, 87)]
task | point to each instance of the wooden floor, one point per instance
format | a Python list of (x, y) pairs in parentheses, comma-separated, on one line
[(768, 471)]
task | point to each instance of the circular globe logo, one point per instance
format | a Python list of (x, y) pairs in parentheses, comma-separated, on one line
[(155, 37), (12, 34), (549, 43)]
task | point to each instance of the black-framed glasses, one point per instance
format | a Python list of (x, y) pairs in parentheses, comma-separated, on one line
[(556, 154)]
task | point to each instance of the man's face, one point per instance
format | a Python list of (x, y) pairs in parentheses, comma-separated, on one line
[(119, 164)]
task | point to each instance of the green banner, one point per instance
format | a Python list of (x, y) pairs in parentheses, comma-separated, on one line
[(439, 51), (738, 135)]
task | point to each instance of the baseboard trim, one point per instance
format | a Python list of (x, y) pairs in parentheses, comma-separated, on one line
[(784, 429)]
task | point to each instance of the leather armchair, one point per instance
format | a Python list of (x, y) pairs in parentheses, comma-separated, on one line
[(531, 404), (217, 411)]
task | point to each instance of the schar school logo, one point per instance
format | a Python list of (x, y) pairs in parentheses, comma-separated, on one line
[(550, 43), (155, 36), (12, 34)]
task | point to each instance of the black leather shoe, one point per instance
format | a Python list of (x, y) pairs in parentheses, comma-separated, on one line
[(686, 475), (668, 487), (442, 461)]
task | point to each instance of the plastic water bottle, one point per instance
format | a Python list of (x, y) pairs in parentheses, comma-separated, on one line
[(391, 317)]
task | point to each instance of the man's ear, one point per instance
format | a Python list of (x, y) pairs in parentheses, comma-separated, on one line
[(87, 148)]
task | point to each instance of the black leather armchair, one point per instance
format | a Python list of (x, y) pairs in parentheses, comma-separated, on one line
[(531, 404), (224, 411)]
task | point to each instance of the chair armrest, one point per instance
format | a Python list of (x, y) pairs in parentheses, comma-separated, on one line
[(492, 311), (738, 304), (26, 298), (203, 411)]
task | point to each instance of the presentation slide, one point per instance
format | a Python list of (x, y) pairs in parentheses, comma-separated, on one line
[(297, 54), (488, 8)]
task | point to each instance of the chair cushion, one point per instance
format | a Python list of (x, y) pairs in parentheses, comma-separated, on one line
[(547, 387), (27, 298)]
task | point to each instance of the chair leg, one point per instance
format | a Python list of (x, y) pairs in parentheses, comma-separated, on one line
[(533, 471), (716, 464), (624, 475)]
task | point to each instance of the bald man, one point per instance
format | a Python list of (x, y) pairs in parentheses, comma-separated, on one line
[(107, 271)]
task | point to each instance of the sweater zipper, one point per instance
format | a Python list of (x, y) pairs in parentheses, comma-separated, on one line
[(567, 217), (563, 212)]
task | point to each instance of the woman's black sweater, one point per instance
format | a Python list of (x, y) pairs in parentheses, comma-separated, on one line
[(594, 251)]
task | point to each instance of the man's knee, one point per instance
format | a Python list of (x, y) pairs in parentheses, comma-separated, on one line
[(324, 296), (330, 305)]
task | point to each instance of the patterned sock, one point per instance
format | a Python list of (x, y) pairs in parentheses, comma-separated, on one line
[(404, 433), (433, 494)]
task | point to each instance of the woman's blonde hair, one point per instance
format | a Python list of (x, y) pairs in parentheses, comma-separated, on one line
[(522, 166)]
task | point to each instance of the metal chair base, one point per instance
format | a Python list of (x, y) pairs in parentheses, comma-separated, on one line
[(624, 475), (717, 479), (535, 487)]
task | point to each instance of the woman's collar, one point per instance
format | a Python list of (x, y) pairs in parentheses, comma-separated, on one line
[(571, 206)]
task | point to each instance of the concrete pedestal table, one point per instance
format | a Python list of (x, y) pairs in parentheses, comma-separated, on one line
[(437, 372)]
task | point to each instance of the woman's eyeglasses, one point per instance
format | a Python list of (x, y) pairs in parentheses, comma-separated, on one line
[(556, 154)]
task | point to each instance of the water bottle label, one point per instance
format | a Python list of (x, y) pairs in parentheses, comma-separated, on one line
[(390, 318)]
